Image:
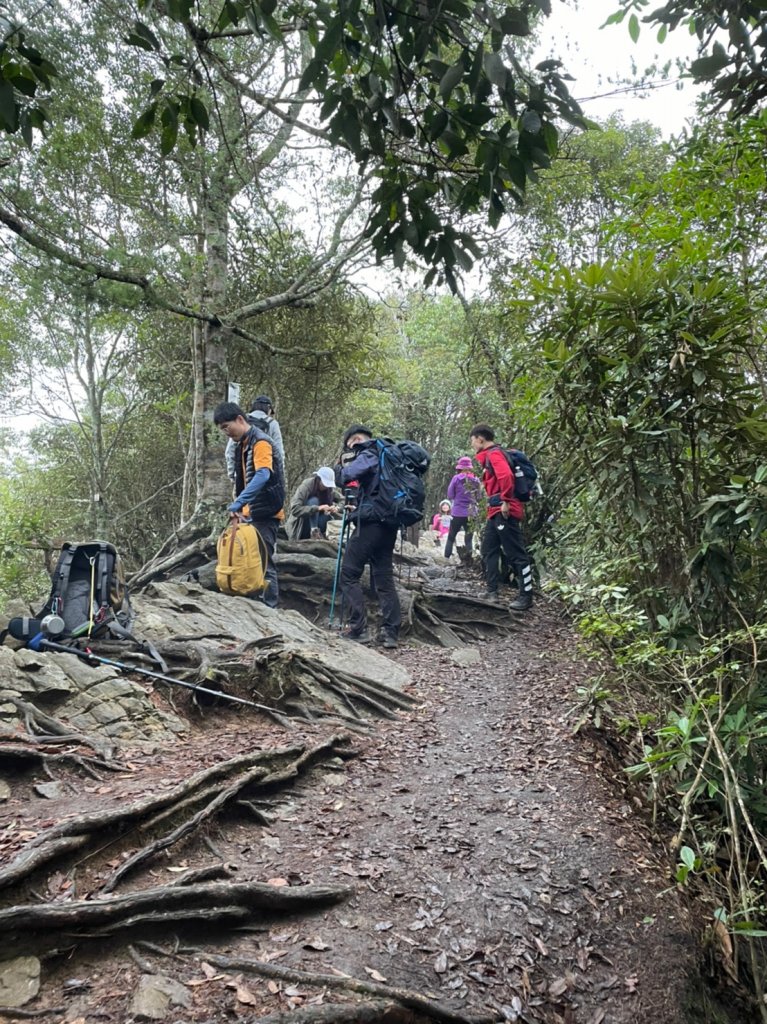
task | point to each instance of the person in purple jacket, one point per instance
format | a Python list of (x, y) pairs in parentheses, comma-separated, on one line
[(463, 491)]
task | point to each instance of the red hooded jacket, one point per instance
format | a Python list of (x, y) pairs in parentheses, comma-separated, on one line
[(497, 478)]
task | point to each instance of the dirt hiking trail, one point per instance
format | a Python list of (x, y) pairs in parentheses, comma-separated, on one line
[(491, 864)]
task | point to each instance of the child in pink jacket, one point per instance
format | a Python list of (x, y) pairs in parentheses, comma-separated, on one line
[(440, 523)]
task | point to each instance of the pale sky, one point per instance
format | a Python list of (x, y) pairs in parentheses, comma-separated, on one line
[(599, 58)]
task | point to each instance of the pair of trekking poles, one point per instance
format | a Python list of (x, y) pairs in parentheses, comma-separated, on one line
[(343, 536)]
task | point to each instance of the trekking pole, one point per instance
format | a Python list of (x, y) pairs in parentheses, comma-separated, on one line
[(337, 573), (39, 643)]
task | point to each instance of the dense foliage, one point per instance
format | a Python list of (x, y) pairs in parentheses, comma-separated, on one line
[(653, 373)]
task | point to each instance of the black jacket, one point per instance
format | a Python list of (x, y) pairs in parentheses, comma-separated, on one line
[(270, 498), (365, 469)]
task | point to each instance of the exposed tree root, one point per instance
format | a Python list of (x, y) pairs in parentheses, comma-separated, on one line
[(372, 1012), (210, 873), (21, 753), (168, 902), (276, 672), (194, 542), (186, 828), (403, 997), (32, 858), (258, 776), (266, 769), (218, 916), (38, 723)]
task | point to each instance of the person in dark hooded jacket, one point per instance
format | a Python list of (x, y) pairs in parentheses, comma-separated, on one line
[(372, 542)]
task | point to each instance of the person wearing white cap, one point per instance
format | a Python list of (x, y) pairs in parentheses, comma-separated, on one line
[(312, 504)]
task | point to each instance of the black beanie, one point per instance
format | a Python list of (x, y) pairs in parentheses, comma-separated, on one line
[(356, 428), (263, 404)]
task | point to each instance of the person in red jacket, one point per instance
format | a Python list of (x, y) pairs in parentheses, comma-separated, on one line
[(502, 532)]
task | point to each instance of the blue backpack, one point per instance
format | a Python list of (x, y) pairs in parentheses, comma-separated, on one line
[(399, 497)]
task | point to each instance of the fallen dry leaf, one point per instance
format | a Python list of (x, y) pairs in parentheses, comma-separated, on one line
[(375, 974), (278, 882), (558, 987), (244, 995), (316, 944), (724, 942), (440, 964)]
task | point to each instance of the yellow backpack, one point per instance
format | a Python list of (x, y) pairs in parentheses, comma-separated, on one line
[(242, 560)]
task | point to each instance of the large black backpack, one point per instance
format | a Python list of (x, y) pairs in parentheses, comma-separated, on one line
[(399, 496), (88, 590)]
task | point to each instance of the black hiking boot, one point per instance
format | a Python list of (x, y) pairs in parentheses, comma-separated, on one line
[(522, 602), (358, 636)]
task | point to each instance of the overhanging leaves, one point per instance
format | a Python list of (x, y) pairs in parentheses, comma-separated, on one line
[(415, 90)]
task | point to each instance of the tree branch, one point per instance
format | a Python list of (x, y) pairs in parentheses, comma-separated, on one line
[(104, 272)]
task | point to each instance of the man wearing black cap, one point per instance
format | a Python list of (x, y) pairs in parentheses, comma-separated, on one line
[(262, 411), (372, 542)]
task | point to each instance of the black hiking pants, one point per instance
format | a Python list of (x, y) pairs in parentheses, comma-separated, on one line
[(371, 544), (267, 528), (458, 523), (504, 536)]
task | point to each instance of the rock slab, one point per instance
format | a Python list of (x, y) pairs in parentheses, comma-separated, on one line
[(19, 980), (466, 657), (154, 996)]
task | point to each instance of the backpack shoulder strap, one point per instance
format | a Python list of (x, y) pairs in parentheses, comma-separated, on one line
[(62, 572), (117, 629), (101, 568)]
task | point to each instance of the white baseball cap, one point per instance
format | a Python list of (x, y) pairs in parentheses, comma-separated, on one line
[(326, 475)]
